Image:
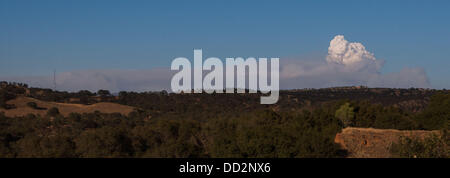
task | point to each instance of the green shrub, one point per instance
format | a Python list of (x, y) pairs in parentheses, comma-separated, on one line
[(32, 105), (346, 115), (434, 146), (52, 112)]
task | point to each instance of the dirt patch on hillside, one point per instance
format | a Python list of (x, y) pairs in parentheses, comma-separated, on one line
[(374, 143), (64, 108)]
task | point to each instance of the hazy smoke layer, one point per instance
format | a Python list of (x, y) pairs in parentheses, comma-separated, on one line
[(113, 80), (347, 64)]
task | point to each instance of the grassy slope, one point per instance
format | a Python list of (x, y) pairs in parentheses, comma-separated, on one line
[(64, 108)]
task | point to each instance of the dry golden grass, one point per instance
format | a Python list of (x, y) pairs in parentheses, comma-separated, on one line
[(374, 143), (64, 108)]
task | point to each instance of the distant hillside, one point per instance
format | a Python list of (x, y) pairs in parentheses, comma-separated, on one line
[(22, 108), (411, 100)]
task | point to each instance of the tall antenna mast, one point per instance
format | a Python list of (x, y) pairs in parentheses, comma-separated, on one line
[(54, 79)]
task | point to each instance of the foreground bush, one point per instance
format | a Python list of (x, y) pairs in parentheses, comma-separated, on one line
[(435, 146)]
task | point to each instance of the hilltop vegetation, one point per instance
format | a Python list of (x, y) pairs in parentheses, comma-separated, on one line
[(302, 124)]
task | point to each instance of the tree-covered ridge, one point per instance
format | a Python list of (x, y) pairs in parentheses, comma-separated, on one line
[(303, 123)]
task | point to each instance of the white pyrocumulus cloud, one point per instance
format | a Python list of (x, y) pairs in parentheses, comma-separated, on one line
[(343, 52), (347, 63), (352, 55)]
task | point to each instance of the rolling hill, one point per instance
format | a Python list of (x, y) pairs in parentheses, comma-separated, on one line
[(22, 109)]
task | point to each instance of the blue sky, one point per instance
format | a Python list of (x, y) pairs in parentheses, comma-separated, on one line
[(39, 36)]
